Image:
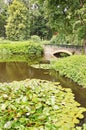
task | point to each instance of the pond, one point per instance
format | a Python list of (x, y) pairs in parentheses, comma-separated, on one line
[(18, 68), (11, 71), (79, 92)]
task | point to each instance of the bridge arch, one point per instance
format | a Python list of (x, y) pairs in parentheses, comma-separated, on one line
[(62, 53)]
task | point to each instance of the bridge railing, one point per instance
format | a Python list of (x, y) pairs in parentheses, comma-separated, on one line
[(67, 46)]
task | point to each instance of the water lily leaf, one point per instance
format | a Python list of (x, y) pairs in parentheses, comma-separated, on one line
[(35, 99), (3, 106), (80, 116), (8, 125), (38, 104), (32, 128), (24, 99), (56, 107), (42, 117), (75, 120)]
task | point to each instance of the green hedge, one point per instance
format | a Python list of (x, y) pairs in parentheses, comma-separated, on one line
[(25, 47), (38, 105), (73, 67)]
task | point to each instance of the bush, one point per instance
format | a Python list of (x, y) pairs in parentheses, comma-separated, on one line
[(35, 38), (25, 47), (73, 67), (35, 50), (58, 39)]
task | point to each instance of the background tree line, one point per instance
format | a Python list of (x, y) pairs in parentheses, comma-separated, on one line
[(19, 19)]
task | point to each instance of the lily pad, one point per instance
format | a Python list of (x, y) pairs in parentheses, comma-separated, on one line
[(38, 105)]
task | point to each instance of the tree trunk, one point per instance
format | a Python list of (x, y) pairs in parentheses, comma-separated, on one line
[(85, 46)]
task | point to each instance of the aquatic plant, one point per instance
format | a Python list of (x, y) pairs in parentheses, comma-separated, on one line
[(38, 105)]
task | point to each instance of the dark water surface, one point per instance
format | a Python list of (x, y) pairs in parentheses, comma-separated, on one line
[(79, 91), (11, 71)]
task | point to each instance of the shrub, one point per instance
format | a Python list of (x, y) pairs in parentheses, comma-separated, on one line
[(73, 67), (35, 38), (25, 47), (58, 39), (34, 50)]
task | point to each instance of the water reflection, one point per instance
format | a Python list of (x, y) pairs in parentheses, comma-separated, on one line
[(10, 71), (79, 91)]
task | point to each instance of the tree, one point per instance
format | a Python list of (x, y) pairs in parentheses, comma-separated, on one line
[(18, 25), (3, 17), (2, 24), (38, 24), (67, 17), (79, 26)]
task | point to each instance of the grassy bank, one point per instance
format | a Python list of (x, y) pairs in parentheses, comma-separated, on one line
[(23, 47), (38, 105), (73, 67)]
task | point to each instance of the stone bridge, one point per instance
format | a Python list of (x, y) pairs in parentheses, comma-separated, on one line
[(52, 51)]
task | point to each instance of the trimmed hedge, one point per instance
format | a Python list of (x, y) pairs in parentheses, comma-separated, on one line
[(25, 47)]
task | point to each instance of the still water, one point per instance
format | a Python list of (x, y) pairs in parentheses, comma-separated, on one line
[(11, 71)]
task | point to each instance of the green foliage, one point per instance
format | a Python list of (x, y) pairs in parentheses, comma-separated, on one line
[(2, 24), (67, 17), (35, 38), (80, 23), (73, 67), (38, 24), (81, 128), (62, 54), (34, 50), (82, 32), (56, 13), (58, 39), (3, 17), (54, 40), (25, 47), (18, 26), (38, 105)]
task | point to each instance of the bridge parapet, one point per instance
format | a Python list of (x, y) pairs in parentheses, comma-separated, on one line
[(50, 49), (65, 46)]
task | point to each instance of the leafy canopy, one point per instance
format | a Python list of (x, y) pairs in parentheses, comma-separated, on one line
[(67, 17)]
